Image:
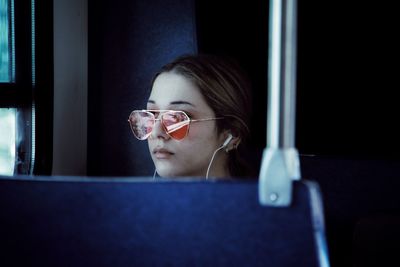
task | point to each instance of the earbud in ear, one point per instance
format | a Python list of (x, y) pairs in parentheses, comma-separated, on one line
[(230, 137)]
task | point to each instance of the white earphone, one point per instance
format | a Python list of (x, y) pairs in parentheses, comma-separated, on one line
[(230, 137)]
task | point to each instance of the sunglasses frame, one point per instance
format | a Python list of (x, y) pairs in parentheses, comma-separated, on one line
[(160, 118)]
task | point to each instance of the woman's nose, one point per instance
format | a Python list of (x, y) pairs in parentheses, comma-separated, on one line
[(158, 131)]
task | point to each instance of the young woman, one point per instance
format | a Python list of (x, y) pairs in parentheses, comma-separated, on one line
[(196, 118)]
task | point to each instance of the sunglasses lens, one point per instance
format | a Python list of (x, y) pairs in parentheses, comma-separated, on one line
[(142, 123), (176, 124)]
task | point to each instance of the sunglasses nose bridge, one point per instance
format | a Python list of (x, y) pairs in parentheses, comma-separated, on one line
[(158, 129)]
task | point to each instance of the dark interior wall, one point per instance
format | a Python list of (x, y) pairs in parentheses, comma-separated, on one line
[(347, 104), (128, 42), (346, 97), (239, 30)]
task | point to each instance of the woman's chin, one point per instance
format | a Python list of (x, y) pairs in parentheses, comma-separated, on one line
[(167, 173)]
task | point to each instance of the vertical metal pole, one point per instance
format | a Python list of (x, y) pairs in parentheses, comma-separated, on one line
[(280, 164), (33, 119)]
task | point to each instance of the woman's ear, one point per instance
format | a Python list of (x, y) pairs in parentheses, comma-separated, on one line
[(234, 144), (231, 142)]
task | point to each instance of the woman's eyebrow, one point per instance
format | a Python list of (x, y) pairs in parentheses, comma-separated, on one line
[(173, 103), (181, 103)]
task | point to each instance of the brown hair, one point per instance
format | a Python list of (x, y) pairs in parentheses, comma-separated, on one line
[(226, 90)]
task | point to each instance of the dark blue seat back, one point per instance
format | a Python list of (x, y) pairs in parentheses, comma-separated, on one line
[(141, 223)]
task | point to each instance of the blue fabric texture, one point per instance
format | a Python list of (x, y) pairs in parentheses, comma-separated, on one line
[(103, 223)]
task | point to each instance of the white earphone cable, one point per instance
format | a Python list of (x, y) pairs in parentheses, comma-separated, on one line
[(215, 152), (212, 159)]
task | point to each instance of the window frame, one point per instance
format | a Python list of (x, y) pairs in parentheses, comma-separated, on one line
[(31, 92)]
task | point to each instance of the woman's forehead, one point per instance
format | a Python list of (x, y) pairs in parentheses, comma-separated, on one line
[(175, 89)]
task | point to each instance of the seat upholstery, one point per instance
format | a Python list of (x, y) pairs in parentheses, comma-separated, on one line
[(129, 222)]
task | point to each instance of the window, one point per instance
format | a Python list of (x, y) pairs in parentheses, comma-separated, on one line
[(6, 41), (26, 84), (7, 141), (7, 115)]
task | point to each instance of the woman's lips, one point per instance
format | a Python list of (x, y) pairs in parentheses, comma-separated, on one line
[(162, 153)]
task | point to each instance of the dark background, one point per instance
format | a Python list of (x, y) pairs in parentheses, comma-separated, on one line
[(347, 103), (346, 86)]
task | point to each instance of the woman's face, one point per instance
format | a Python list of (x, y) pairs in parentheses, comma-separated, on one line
[(191, 155)]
